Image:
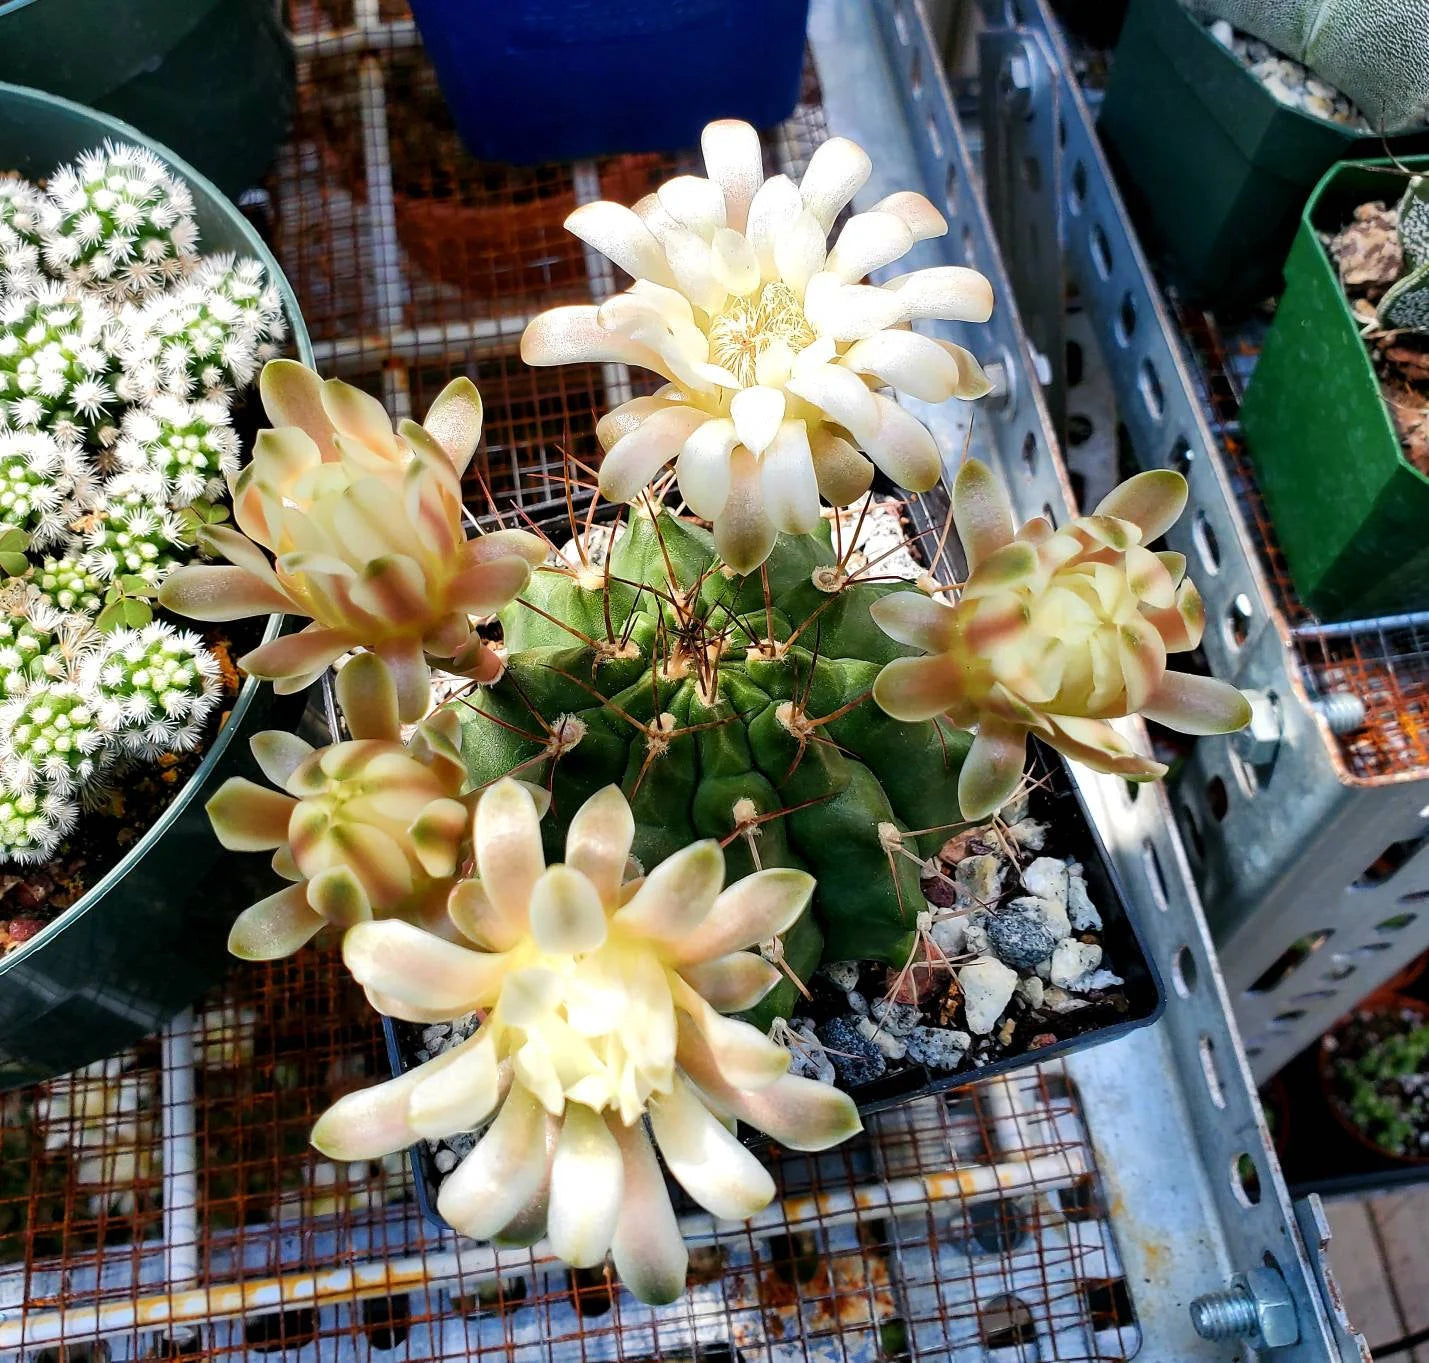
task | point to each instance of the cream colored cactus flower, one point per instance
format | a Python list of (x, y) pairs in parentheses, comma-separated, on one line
[(602, 999), (772, 346)]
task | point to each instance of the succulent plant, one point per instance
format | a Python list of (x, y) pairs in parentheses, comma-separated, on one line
[(371, 827), (603, 997), (193, 343), (133, 535), (56, 364), (1375, 51), (153, 687), (771, 346), (187, 450), (1405, 305), (38, 644), (52, 737), (20, 208), (66, 585), (242, 283), (117, 222), (728, 715), (1054, 633), (366, 530), (32, 822), (41, 484)]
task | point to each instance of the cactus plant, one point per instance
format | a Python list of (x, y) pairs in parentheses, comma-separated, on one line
[(188, 450), (116, 221), (66, 585), (771, 346), (1405, 305), (41, 481), (52, 736), (1376, 53), (603, 997), (133, 535)]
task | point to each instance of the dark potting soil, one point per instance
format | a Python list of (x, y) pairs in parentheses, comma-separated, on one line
[(1376, 1066), (1367, 254)]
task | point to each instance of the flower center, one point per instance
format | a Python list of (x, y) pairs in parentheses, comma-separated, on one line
[(750, 326)]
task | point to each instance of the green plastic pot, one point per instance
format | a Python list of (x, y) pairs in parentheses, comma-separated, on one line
[(1350, 511), (213, 79), (149, 938), (1216, 167)]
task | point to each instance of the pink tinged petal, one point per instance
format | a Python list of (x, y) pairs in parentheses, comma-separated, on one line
[(842, 396), (647, 1246), (734, 263), (799, 251), (982, 511), (744, 535), (293, 396), (1197, 705), (903, 448), (743, 1054), (587, 1185), (361, 417), (247, 817), (461, 1095), (915, 689), (485, 588), (837, 170), (1142, 659), (842, 472), (619, 235), (454, 421), (338, 897), (494, 1183), (401, 1009), (868, 242), (915, 619), (850, 312), (509, 858), (378, 862), (1174, 563), (774, 207), (730, 984), (702, 470), (1148, 578), (406, 963), (695, 203), (470, 910), (394, 589), (750, 911), (801, 1114), (572, 335), (637, 457), (913, 364), (279, 754), (916, 212), (992, 769), (598, 841), (275, 927), (436, 836), (1095, 744), (296, 658), (756, 413), (220, 593), (677, 894), (367, 697), (705, 1160), (241, 551), (1152, 501), (499, 544), (1182, 626), (529, 1224), (567, 917), (734, 161), (972, 382), (952, 293), (791, 491), (410, 675)]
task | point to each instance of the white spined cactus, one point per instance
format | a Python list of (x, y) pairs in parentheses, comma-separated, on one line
[(133, 535), (33, 822), (117, 222), (66, 585), (603, 995), (153, 688), (181, 451), (20, 205), (57, 363), (53, 738), (42, 483), (243, 284), (194, 342)]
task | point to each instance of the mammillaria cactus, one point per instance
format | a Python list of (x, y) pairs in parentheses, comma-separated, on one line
[(188, 450), (20, 206), (603, 997), (131, 534), (153, 687), (39, 480), (52, 737), (1375, 51), (118, 222), (1054, 633), (771, 346), (365, 526), (66, 585)]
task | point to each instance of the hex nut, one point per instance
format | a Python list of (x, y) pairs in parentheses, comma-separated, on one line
[(1274, 1308)]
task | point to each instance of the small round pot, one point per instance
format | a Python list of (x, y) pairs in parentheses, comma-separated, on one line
[(1381, 1004), (149, 937)]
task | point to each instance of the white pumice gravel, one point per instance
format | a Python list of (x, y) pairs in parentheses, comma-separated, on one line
[(1072, 960), (1292, 83), (987, 987)]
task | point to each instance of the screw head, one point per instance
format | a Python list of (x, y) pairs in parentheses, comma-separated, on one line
[(1274, 1308), (1258, 741), (1015, 79)]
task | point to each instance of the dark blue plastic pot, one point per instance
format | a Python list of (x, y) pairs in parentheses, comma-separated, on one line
[(554, 80)]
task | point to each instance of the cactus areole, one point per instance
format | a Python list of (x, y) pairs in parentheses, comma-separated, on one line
[(726, 711)]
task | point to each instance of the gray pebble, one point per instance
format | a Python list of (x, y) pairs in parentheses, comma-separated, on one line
[(808, 1060), (896, 1018), (1072, 960), (1029, 835), (445, 1160), (856, 1060), (949, 935), (938, 1048), (1097, 979), (1019, 935), (893, 1047), (843, 974), (857, 1002), (1031, 989), (975, 935), (1059, 1001)]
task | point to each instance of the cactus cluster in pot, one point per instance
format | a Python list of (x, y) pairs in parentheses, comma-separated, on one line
[(695, 754)]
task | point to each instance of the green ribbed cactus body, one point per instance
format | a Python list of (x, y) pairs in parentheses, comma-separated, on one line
[(1374, 51), (712, 731)]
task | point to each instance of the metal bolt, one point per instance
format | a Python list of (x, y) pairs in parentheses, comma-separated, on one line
[(1258, 741), (1342, 711), (1256, 1306), (1015, 80)]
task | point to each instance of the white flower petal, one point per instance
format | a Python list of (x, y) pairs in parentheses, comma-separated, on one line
[(843, 473), (695, 203), (459, 1096), (509, 859), (618, 234), (702, 469), (868, 242), (735, 162), (742, 1054), (914, 619), (837, 170), (773, 208), (734, 263), (750, 911), (953, 293), (639, 455), (689, 257), (677, 894), (572, 335), (647, 1247), (791, 492), (622, 420), (756, 413), (903, 447), (598, 841), (413, 966), (917, 213), (706, 1161), (566, 913), (744, 535), (732, 983), (587, 1184), (799, 251), (842, 396), (914, 364), (849, 312), (501, 1175)]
